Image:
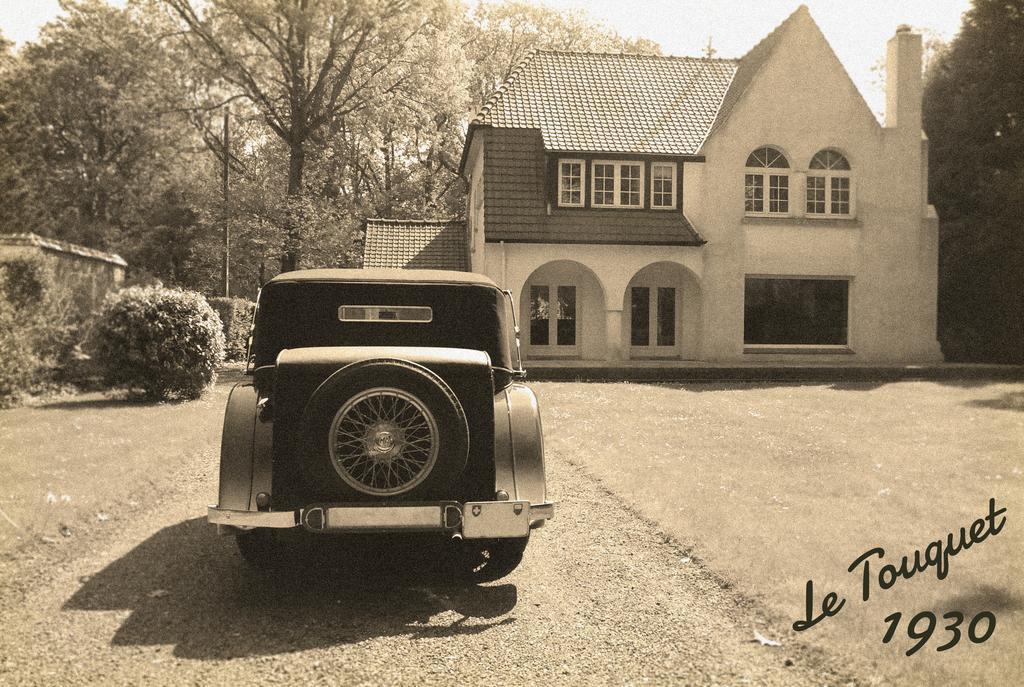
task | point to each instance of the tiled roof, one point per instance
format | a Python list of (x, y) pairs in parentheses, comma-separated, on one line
[(636, 227), (28, 239), (605, 102), (416, 244)]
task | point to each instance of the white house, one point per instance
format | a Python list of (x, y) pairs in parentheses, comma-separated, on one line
[(681, 208)]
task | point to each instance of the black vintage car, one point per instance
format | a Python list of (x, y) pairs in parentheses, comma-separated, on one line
[(384, 401)]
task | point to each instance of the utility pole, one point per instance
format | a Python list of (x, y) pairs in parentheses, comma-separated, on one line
[(227, 204)]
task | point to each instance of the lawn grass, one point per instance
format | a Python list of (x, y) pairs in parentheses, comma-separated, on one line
[(769, 485), (773, 485), (71, 463)]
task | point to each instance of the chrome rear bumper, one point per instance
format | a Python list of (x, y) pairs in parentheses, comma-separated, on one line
[(471, 520)]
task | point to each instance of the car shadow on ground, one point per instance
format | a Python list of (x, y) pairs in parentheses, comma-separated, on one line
[(1013, 400), (188, 587), (972, 601)]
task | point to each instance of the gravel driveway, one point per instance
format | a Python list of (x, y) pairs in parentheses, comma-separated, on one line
[(155, 596)]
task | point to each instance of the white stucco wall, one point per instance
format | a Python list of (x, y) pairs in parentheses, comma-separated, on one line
[(801, 101), (512, 265)]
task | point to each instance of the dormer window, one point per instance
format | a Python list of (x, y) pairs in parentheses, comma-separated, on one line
[(570, 183), (828, 185), (663, 185), (760, 173), (617, 184)]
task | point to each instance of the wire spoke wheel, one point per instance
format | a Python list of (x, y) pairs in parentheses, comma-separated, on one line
[(383, 441)]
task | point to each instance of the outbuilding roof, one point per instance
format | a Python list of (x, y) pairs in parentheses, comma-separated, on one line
[(416, 244), (46, 243)]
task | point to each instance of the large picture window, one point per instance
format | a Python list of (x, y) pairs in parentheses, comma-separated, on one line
[(617, 184), (797, 312), (764, 167), (570, 183), (828, 185)]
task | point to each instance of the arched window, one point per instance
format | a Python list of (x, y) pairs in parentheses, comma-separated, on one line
[(758, 176), (829, 187)]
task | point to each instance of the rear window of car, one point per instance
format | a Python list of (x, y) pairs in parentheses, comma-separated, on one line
[(311, 314), (377, 313)]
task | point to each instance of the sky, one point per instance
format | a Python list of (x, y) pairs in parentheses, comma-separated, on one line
[(856, 29)]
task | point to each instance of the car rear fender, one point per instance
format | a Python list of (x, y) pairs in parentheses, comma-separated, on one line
[(519, 444), (236, 448)]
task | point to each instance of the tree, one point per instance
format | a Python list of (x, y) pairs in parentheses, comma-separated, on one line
[(401, 157), (84, 127), (303, 64), (974, 116), (14, 193), (6, 51), (499, 36)]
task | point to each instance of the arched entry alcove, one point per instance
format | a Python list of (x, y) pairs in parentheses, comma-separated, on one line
[(661, 313), (562, 313)]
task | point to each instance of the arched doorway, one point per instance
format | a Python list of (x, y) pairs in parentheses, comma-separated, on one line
[(662, 313), (562, 312)]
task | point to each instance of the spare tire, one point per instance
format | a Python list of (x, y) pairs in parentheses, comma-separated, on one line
[(385, 429)]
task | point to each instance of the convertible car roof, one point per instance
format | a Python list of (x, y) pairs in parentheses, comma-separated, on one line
[(386, 275)]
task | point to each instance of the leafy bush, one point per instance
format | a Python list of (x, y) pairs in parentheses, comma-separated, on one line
[(158, 341), (236, 317), (34, 330), (18, 363), (41, 321), (24, 281)]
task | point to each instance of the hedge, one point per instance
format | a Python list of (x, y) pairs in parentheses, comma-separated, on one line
[(161, 342), (38, 326), (236, 317), (18, 362)]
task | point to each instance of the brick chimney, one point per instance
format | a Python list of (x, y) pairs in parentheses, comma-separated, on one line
[(903, 81)]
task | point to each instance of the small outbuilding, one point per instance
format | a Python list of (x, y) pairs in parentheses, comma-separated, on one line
[(88, 273)]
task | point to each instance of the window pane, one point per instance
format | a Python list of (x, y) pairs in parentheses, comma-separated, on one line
[(661, 183), (767, 157), (840, 196), (666, 316), (829, 159), (816, 195), (539, 315), (604, 184), (629, 185), (795, 311), (754, 193), (566, 334), (640, 319), (778, 193), (571, 183)]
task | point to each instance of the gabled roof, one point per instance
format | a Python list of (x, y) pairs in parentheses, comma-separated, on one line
[(750, 64), (612, 103), (416, 244), (29, 239)]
